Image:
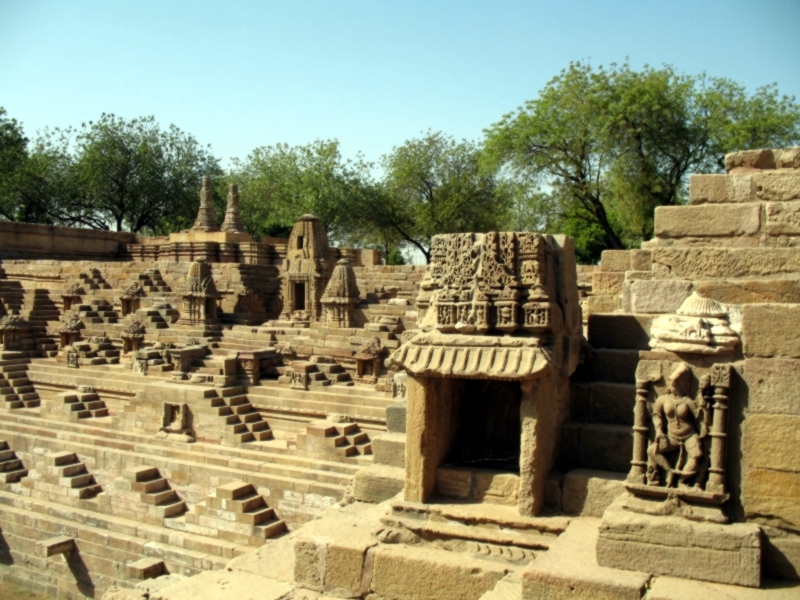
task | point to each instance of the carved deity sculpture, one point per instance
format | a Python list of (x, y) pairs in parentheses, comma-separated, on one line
[(681, 424)]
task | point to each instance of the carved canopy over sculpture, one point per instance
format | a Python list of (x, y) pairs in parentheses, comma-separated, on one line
[(340, 296), (132, 291), (199, 296), (700, 326), (480, 289)]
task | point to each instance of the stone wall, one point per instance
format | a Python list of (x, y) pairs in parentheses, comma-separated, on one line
[(26, 240)]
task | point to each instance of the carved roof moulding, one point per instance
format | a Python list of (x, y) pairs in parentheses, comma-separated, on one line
[(342, 287), (700, 326), (206, 221), (308, 239), (199, 281), (233, 218), (490, 306)]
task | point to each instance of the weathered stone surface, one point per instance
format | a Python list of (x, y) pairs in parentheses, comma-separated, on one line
[(615, 260), (753, 291), (708, 263), (772, 385), (710, 188), (778, 186), (377, 483), (771, 442), (569, 569), (614, 365), (783, 218), (750, 159), (707, 220), (497, 488), (390, 449), (588, 493), (665, 545), (396, 417), (612, 403), (658, 296), (606, 447), (603, 303), (787, 158), (408, 572), (607, 283), (771, 330), (225, 585), (771, 497), (641, 260), (674, 588)]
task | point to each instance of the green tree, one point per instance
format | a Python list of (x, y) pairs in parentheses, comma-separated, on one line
[(434, 185), (134, 175), (609, 145), (280, 183)]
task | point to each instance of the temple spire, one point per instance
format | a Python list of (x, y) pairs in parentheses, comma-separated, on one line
[(205, 216), (233, 219)]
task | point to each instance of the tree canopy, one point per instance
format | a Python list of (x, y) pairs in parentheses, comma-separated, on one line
[(605, 146), (591, 156)]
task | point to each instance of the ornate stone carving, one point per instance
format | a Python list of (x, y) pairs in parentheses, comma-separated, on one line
[(132, 337), (399, 385), (206, 221), (175, 423), (233, 220), (129, 299), (679, 435), (340, 296), (71, 295), (700, 326), (200, 296), (368, 361), (11, 328)]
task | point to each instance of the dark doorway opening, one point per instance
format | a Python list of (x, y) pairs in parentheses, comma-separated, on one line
[(486, 427), (299, 296)]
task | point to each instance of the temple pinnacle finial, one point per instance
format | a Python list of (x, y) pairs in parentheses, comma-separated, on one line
[(233, 219), (205, 215)]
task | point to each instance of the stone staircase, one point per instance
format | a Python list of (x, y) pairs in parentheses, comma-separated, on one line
[(16, 389), (156, 497), (82, 404), (243, 422), (11, 296), (322, 438), (11, 467), (62, 474), (599, 435), (39, 309), (238, 512), (152, 282), (96, 312), (97, 351), (362, 403), (93, 280)]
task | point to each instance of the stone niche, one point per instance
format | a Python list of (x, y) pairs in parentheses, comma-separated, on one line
[(488, 371), (307, 268)]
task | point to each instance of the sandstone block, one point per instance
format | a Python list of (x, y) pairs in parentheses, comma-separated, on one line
[(659, 295), (588, 493), (454, 482), (641, 260), (390, 449), (570, 569), (615, 260), (396, 417), (783, 218), (723, 263), (377, 483), (57, 545), (144, 568), (707, 220), (612, 403), (771, 330), (753, 291), (614, 365), (771, 496), (787, 158), (606, 447), (780, 554), (773, 186), (711, 188), (607, 283), (423, 572), (674, 588), (772, 385), (497, 488), (665, 545), (771, 442), (603, 303), (750, 159)]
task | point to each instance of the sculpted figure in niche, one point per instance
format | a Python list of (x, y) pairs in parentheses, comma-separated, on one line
[(681, 424)]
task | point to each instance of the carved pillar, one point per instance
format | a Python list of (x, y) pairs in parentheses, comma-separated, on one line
[(720, 379), (639, 460)]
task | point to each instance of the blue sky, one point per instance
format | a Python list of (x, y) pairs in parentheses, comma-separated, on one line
[(238, 75)]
